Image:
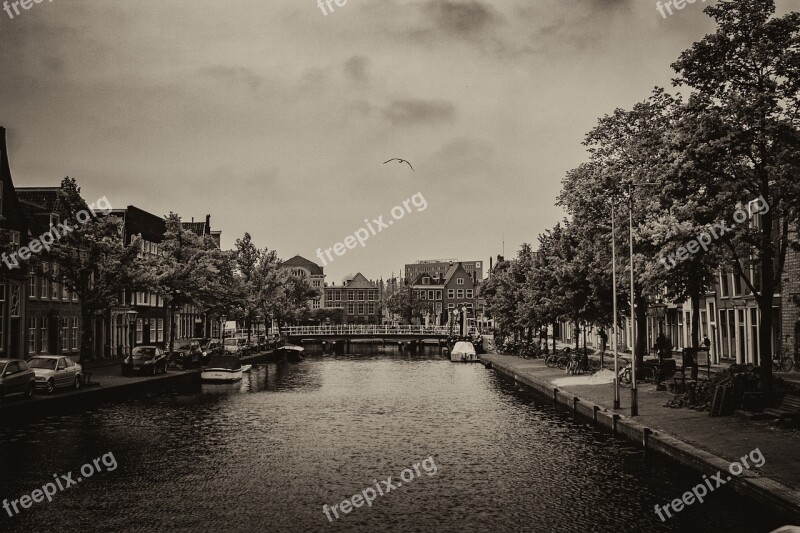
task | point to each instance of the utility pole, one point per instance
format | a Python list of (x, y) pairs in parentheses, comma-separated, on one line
[(634, 390), (614, 299)]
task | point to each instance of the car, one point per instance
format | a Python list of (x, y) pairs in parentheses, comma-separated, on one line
[(16, 379), (186, 354), (212, 348), (53, 371), (145, 360), (235, 346)]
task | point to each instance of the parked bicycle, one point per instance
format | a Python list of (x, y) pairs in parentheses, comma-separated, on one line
[(783, 362)]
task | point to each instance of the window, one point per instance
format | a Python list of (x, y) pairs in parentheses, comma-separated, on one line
[(360, 308), (74, 296), (14, 238), (451, 306), (460, 293), (351, 296), (426, 280), (360, 296), (724, 287), (430, 295), (54, 290), (370, 308), (371, 296), (16, 296), (64, 335), (139, 330), (350, 308), (460, 281), (32, 334), (43, 347), (74, 321), (160, 330), (451, 293), (44, 285), (32, 286), (469, 293), (439, 295)]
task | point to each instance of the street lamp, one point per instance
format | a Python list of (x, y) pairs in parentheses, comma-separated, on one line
[(634, 390), (614, 298), (222, 319)]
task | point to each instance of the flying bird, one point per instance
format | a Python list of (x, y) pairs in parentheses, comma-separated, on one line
[(401, 161)]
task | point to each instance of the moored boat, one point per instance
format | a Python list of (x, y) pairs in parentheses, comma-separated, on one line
[(463, 352), (291, 352), (223, 369)]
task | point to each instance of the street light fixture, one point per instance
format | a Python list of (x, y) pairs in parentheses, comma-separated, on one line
[(634, 389), (132, 314)]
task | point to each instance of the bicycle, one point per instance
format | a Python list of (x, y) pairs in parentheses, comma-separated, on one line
[(783, 362), (552, 360), (624, 377)]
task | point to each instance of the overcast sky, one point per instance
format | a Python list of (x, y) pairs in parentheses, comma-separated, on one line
[(276, 119)]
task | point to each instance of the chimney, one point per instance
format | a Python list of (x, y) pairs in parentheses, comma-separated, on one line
[(208, 223)]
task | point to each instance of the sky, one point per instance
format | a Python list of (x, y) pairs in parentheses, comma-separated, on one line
[(275, 118)]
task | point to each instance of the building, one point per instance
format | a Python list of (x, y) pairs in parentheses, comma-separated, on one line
[(190, 322), (53, 317), (13, 281), (303, 268), (359, 297), (140, 317), (447, 292), (439, 267)]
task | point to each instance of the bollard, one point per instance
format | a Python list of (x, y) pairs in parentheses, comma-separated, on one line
[(645, 436), (555, 395), (595, 409), (575, 401), (614, 419)]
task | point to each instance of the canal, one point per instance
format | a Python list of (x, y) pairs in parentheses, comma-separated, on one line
[(266, 455)]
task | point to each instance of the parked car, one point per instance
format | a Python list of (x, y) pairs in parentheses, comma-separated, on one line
[(145, 360), (16, 379), (53, 371), (186, 354), (212, 348), (236, 346)]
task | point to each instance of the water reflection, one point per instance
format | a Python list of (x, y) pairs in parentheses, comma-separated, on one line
[(266, 453)]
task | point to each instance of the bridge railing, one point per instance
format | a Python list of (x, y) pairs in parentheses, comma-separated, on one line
[(366, 329)]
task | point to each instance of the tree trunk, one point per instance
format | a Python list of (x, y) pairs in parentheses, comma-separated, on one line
[(86, 334), (577, 337), (171, 311), (555, 326), (641, 331)]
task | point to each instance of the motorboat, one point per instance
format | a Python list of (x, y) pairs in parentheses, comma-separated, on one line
[(291, 352), (463, 352), (223, 369)]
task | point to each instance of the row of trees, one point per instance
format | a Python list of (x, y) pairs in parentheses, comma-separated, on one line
[(678, 165), (94, 262)]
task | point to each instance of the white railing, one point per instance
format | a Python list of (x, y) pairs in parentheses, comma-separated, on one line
[(367, 329)]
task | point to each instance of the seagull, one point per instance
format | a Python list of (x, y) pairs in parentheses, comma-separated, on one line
[(401, 161)]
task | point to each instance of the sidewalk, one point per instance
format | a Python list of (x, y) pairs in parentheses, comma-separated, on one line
[(693, 438)]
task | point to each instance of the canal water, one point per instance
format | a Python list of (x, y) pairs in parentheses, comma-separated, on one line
[(266, 454)]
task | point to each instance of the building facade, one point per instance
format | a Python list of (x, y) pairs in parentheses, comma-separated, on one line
[(305, 269), (440, 267), (360, 299)]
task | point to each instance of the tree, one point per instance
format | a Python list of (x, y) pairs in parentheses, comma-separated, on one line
[(741, 140), (185, 270), (91, 259), (403, 302)]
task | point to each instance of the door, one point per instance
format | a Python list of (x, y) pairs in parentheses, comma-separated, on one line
[(146, 332), (61, 373)]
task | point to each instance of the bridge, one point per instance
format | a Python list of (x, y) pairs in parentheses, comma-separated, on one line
[(339, 338)]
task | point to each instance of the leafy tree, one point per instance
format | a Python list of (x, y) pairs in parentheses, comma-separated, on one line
[(741, 140), (91, 259)]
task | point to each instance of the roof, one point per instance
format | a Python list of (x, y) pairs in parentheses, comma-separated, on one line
[(360, 282), (451, 272), (302, 262), (198, 228), (44, 197)]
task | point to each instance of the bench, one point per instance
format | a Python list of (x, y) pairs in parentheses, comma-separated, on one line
[(788, 409)]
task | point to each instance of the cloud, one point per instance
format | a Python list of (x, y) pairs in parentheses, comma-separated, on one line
[(467, 20), (356, 68), (233, 74), (419, 111)]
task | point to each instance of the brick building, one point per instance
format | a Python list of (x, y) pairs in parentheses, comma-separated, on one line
[(359, 297)]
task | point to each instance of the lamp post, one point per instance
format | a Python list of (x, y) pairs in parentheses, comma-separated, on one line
[(222, 320), (614, 305), (634, 390)]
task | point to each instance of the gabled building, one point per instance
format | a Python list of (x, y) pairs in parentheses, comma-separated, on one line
[(53, 318), (440, 267), (359, 297), (13, 281)]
